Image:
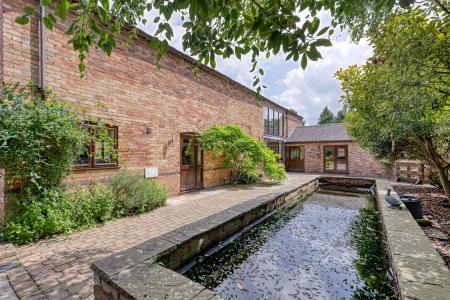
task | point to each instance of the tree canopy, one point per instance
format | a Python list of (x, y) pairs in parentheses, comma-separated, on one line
[(400, 99), (326, 116), (218, 28)]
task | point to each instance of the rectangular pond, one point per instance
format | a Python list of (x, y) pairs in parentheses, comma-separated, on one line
[(305, 250)]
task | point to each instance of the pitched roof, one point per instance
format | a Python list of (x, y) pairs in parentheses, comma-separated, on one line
[(319, 133)]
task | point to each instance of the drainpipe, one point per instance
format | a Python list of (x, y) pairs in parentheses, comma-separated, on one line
[(42, 50)]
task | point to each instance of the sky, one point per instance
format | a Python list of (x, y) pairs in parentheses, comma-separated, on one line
[(307, 91)]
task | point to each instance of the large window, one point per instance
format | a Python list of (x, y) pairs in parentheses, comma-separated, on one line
[(273, 122), (101, 150)]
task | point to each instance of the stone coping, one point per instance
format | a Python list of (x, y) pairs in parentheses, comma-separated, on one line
[(146, 271), (421, 273)]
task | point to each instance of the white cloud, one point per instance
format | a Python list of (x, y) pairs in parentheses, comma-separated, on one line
[(308, 91)]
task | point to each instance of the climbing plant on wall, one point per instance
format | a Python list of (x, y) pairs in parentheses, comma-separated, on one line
[(247, 157)]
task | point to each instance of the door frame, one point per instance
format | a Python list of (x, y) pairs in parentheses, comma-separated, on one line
[(335, 159), (287, 159), (198, 172)]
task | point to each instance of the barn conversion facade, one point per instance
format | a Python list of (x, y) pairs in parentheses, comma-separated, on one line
[(151, 113)]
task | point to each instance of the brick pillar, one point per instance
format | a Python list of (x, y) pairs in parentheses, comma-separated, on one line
[(2, 198)]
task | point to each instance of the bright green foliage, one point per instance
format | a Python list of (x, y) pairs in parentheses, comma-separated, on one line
[(247, 157), (39, 140), (326, 116), (92, 206), (217, 28), (135, 194), (400, 100)]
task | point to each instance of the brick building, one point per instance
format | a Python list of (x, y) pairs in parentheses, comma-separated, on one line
[(152, 113), (329, 149)]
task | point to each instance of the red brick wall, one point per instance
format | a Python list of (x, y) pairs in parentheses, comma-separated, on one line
[(360, 162), (128, 90)]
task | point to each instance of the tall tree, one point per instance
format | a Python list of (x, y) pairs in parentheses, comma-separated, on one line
[(340, 116), (326, 116), (400, 99), (218, 28)]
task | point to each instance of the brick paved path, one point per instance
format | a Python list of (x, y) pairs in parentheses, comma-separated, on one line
[(59, 267)]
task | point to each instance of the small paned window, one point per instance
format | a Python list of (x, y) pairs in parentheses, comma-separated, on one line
[(101, 149)]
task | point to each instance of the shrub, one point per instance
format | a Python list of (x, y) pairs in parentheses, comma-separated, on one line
[(39, 216), (135, 194), (247, 157), (39, 139), (93, 206)]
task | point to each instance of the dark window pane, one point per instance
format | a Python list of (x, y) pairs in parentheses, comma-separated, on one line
[(266, 119), (276, 123), (270, 131), (105, 148), (281, 124), (186, 152), (83, 159), (273, 122)]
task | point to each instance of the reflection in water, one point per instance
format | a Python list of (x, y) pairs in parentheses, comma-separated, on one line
[(302, 252)]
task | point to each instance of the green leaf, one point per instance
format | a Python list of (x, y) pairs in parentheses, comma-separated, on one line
[(323, 30), (81, 67), (154, 43), (48, 23), (304, 61), (62, 9), (29, 10), (46, 2), (105, 4), (22, 20), (322, 42)]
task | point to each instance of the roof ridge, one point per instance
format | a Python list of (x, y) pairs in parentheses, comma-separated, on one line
[(320, 125)]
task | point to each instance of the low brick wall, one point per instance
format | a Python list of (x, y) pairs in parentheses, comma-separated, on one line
[(147, 270), (421, 273)]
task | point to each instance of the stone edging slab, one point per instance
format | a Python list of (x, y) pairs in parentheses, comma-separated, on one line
[(421, 273), (146, 270)]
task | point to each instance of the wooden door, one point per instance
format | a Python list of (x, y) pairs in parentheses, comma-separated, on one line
[(295, 158), (335, 159), (191, 170)]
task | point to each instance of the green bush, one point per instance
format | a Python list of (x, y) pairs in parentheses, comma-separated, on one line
[(39, 139), (247, 157), (93, 206), (38, 216), (135, 194)]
